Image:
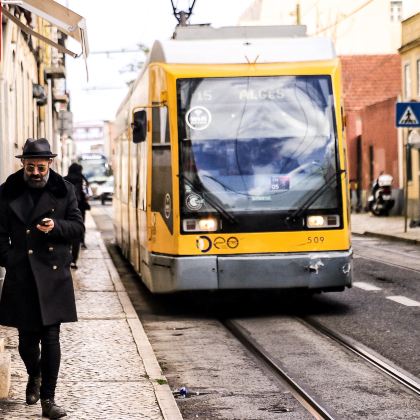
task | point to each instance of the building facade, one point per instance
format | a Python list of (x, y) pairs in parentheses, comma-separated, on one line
[(92, 137), (371, 85), (410, 75), (355, 26), (32, 76)]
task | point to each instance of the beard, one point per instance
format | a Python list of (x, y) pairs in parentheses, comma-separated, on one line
[(36, 181)]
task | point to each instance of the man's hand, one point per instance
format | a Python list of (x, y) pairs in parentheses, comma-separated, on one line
[(46, 225)]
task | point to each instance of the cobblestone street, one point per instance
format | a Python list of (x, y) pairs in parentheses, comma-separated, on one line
[(102, 374)]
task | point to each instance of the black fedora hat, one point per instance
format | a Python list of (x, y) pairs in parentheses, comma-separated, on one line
[(36, 148)]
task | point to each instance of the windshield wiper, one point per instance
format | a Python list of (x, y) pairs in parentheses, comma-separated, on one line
[(316, 194), (200, 189)]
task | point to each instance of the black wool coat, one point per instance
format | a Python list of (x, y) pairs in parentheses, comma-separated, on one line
[(38, 288)]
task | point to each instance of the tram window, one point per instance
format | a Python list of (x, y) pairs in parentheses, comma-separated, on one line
[(161, 163), (160, 125)]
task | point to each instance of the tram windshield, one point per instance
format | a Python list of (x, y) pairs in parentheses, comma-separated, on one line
[(258, 144)]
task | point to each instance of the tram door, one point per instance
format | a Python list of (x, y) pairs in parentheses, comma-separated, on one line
[(161, 190)]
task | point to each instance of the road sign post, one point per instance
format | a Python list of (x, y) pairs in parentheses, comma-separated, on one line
[(407, 115)]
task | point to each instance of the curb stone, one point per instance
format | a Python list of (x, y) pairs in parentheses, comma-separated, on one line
[(388, 237), (163, 393)]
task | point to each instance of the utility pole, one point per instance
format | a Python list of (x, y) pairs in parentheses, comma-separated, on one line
[(298, 12)]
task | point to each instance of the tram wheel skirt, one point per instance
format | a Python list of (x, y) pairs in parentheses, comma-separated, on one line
[(315, 270)]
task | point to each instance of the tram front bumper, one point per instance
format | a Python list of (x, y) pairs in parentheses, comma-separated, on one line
[(314, 270)]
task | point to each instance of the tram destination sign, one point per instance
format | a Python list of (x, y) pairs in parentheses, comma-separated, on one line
[(407, 114)]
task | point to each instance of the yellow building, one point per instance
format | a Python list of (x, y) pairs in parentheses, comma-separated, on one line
[(410, 61)]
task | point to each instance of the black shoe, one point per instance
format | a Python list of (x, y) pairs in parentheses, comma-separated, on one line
[(51, 410), (83, 246), (32, 389), (73, 265)]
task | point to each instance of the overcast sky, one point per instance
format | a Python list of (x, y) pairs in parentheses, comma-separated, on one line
[(123, 24)]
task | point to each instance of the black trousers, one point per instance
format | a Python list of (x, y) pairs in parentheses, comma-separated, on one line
[(44, 361)]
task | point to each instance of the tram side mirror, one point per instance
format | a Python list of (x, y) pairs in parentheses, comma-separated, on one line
[(139, 126)]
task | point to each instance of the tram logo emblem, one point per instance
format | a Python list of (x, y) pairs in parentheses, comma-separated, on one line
[(198, 118), (204, 243), (194, 202)]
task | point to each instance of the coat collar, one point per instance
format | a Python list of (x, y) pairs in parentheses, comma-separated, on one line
[(16, 191), (15, 185)]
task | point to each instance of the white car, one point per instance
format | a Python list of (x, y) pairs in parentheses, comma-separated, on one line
[(105, 191)]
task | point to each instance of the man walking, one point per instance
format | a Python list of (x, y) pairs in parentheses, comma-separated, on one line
[(39, 219)]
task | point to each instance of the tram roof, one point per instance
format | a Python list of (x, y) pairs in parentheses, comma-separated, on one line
[(198, 44), (241, 45)]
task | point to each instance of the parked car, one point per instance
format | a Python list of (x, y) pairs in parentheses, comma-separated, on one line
[(105, 191)]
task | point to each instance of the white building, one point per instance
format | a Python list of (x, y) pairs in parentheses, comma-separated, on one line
[(355, 26), (91, 137)]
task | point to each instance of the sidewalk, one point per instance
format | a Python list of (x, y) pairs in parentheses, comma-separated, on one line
[(108, 369), (391, 227)]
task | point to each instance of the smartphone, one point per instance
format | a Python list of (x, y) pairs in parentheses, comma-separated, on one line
[(45, 222)]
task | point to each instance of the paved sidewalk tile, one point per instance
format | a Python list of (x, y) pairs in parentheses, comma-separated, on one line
[(102, 374)]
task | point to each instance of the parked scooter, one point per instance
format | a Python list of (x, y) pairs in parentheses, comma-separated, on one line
[(380, 202)]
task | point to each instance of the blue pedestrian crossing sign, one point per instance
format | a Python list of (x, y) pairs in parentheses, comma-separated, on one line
[(408, 114)]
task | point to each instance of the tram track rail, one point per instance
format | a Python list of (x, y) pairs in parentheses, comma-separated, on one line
[(311, 403), (401, 267), (393, 372)]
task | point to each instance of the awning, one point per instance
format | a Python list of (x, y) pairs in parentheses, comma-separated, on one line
[(63, 18)]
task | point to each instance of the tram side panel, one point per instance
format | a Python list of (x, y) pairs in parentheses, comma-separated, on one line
[(116, 201), (125, 180), (161, 217), (132, 203)]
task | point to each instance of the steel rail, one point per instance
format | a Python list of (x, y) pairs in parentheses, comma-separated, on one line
[(313, 406), (364, 257), (357, 349)]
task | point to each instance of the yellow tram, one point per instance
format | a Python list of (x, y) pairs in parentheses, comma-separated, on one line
[(230, 163)]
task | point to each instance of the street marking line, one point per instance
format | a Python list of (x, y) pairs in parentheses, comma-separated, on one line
[(365, 286), (404, 300)]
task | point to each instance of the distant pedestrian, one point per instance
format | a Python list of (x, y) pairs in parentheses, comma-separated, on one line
[(81, 184), (39, 218)]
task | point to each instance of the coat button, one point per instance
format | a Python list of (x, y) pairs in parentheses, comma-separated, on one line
[(30, 252), (50, 249), (28, 231), (52, 210), (54, 267)]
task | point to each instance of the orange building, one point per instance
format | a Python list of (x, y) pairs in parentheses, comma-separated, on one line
[(371, 85)]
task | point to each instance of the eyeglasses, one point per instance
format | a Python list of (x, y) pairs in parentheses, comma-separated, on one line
[(31, 168)]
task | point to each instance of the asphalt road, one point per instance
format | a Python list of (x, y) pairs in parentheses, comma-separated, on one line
[(196, 351)]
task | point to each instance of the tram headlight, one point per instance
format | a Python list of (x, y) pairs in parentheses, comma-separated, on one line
[(209, 224), (327, 221)]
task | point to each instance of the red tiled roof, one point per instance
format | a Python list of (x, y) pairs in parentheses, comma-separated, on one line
[(368, 79)]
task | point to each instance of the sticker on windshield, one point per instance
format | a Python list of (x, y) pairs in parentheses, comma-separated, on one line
[(280, 183), (198, 118), (194, 202)]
